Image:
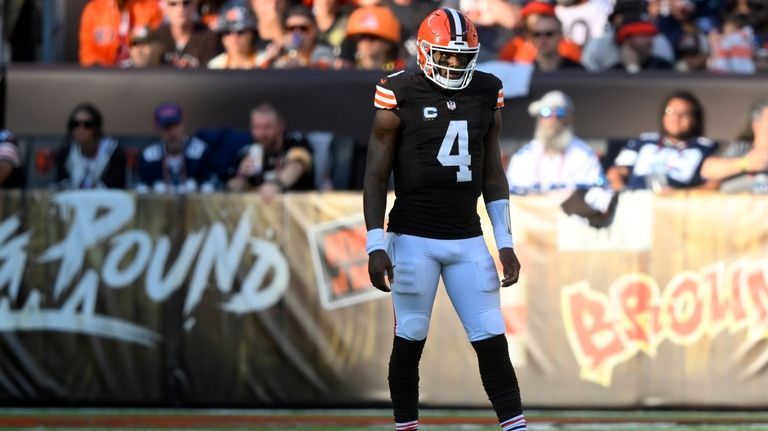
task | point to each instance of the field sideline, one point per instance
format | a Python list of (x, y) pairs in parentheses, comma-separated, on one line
[(371, 420)]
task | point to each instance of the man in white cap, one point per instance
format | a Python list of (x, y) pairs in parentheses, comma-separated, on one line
[(555, 159)]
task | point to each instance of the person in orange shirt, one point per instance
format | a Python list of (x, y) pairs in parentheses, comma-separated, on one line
[(106, 26), (521, 49)]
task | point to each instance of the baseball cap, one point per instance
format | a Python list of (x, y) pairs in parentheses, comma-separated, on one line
[(538, 8), (7, 136), (635, 26), (551, 100), (167, 114), (236, 16)]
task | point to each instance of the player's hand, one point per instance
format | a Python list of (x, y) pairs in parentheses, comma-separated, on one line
[(379, 265), (510, 265)]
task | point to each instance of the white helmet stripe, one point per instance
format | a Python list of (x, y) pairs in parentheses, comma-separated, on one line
[(456, 22)]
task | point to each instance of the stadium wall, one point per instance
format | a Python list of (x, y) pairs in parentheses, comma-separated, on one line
[(113, 298)]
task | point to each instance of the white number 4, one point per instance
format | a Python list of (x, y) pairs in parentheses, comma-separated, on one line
[(457, 130)]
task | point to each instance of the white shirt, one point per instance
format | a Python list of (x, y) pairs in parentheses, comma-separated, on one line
[(584, 21), (532, 170)]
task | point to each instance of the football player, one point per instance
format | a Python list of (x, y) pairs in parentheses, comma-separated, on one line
[(438, 131)]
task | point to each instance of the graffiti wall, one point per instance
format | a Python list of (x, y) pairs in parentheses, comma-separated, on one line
[(115, 298)]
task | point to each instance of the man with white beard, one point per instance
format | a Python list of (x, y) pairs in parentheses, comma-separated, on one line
[(555, 159)]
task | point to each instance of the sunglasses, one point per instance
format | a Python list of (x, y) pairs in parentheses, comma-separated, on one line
[(237, 32), (301, 28), (88, 124), (537, 34), (184, 3), (558, 112)]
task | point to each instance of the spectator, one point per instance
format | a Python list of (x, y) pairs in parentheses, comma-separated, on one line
[(670, 159), (270, 15), (177, 163), (88, 159), (182, 41), (547, 37), (302, 48), (410, 14), (583, 20), (373, 40), (237, 26), (676, 20), (757, 13), (210, 11), (331, 17), (742, 159), (541, 28), (12, 174), (732, 51), (277, 160), (604, 52), (635, 38), (105, 27), (555, 159), (140, 53), (495, 21)]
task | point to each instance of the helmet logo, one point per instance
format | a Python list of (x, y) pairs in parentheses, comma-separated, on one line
[(370, 22)]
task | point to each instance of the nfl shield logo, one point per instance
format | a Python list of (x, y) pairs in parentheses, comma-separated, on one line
[(451, 105)]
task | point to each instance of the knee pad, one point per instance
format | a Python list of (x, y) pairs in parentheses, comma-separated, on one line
[(491, 324), (413, 328)]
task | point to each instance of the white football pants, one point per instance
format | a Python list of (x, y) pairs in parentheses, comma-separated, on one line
[(470, 279)]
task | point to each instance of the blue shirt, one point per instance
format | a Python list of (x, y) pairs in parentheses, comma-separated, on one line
[(190, 172), (650, 152)]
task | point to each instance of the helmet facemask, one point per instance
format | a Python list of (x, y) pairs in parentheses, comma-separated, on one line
[(439, 72)]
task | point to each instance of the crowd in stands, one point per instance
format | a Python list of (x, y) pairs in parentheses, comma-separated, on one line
[(268, 159), (723, 36), (719, 36), (677, 156), (271, 159)]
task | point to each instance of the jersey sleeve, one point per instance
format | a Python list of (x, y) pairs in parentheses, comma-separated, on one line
[(500, 99), (385, 97)]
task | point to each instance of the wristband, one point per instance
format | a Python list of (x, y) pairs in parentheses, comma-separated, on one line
[(743, 164), (375, 240), (498, 211)]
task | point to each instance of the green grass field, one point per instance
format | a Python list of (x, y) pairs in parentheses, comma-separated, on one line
[(372, 420)]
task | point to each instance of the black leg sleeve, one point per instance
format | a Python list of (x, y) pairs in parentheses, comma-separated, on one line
[(498, 376), (404, 378)]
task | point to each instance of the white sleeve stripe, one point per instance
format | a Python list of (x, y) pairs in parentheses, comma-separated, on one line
[(385, 91), (384, 105), (386, 97)]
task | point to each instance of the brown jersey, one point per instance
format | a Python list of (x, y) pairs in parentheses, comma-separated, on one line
[(438, 162)]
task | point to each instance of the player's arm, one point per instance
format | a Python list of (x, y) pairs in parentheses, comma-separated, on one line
[(496, 196), (381, 150)]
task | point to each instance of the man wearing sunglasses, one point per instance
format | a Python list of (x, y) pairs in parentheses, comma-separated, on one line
[(301, 47), (555, 159), (182, 41)]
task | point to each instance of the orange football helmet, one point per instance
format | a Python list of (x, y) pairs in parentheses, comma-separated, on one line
[(447, 47)]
